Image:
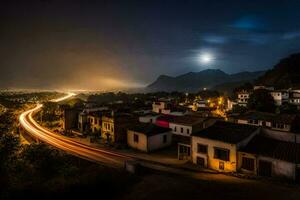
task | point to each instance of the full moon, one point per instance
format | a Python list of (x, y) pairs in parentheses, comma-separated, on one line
[(206, 58)]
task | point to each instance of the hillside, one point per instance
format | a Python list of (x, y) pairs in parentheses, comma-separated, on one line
[(194, 81), (285, 74)]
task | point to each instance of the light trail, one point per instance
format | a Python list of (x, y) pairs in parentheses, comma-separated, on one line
[(76, 148)]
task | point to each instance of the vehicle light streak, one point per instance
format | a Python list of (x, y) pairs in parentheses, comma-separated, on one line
[(67, 144)]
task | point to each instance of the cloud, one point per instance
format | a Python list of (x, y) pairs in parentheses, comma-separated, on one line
[(215, 39), (249, 22), (291, 35)]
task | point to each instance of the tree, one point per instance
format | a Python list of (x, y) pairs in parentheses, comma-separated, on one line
[(239, 109), (48, 111), (288, 109), (9, 145), (261, 100)]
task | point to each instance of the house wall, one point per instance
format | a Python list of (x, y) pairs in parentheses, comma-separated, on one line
[(147, 119), (162, 123), (108, 128), (240, 160), (210, 161), (156, 141), (178, 129), (148, 144), (160, 107), (141, 145), (242, 121), (280, 169)]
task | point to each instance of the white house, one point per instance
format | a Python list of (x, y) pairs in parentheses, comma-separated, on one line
[(216, 147), (243, 97), (149, 118), (280, 122), (148, 137), (295, 98), (188, 124), (265, 156), (280, 96), (161, 107)]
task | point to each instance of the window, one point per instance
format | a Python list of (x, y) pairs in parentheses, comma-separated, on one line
[(248, 163), (222, 154), (136, 138), (181, 130), (188, 131), (202, 148), (165, 139)]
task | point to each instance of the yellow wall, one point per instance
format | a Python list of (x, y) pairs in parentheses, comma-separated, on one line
[(95, 127), (108, 128), (210, 161), (141, 144)]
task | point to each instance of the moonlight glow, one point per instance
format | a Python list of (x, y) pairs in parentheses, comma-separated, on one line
[(206, 58)]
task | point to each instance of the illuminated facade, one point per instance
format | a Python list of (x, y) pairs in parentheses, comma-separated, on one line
[(216, 147)]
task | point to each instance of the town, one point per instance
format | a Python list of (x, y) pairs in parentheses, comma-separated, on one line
[(143, 100), (206, 129)]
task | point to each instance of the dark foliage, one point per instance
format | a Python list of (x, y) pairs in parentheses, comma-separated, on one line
[(261, 100)]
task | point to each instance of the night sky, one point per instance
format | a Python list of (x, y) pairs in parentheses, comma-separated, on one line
[(108, 44)]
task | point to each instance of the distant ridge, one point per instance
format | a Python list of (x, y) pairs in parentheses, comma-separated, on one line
[(285, 74), (195, 81)]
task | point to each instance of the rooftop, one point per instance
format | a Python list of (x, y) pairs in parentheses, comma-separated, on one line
[(149, 129), (168, 118), (254, 115), (281, 150), (226, 132), (189, 119)]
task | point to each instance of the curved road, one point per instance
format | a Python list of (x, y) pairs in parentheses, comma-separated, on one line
[(84, 151)]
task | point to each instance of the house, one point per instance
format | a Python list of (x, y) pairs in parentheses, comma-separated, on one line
[(115, 125), (280, 96), (281, 122), (295, 98), (161, 107), (164, 107), (265, 156), (149, 117), (188, 124), (216, 147), (85, 118), (95, 122), (148, 137), (243, 97)]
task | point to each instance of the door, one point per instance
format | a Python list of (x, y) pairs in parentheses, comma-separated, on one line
[(200, 162), (264, 168)]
